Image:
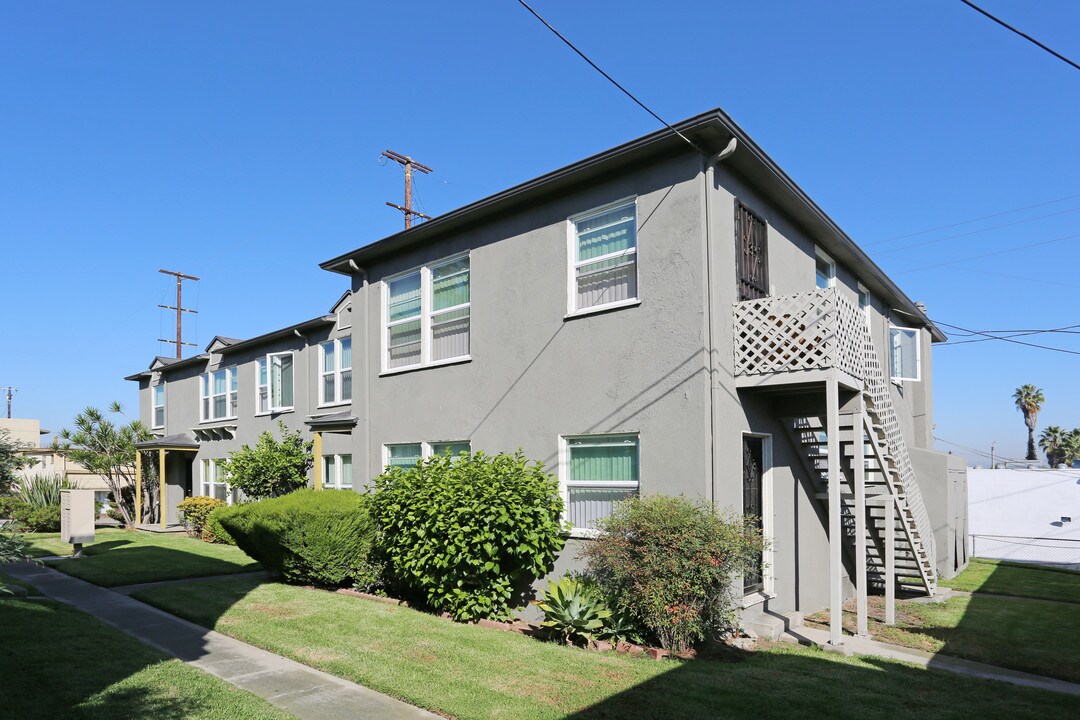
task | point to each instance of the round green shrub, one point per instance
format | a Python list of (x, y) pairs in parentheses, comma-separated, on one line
[(43, 519), (10, 505), (212, 531), (465, 533), (195, 510), (671, 564), (316, 537)]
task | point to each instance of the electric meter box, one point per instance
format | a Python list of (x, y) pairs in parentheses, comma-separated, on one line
[(77, 516)]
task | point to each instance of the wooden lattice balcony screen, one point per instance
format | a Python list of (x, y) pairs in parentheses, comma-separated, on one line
[(820, 330)]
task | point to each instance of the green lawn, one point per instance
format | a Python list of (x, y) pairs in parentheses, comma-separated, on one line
[(123, 557), (1004, 578), (57, 662), (8, 580), (478, 673)]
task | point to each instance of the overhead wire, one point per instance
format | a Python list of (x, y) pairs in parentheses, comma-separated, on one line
[(986, 255), (1004, 339), (1021, 33), (976, 232)]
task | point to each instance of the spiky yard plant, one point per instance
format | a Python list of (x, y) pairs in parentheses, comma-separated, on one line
[(573, 608)]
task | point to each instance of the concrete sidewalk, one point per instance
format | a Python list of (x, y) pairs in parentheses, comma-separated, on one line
[(854, 645), (307, 693)]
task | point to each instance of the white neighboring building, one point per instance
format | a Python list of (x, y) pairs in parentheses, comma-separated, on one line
[(52, 461), (1027, 515)]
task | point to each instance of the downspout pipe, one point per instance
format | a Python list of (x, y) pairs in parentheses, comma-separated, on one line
[(712, 332), (366, 354)]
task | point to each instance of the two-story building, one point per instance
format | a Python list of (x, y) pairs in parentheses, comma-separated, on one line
[(664, 317)]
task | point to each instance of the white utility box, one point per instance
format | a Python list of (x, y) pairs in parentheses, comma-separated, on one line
[(77, 518)]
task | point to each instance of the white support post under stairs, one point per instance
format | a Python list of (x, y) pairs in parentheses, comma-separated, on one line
[(836, 540), (858, 469)]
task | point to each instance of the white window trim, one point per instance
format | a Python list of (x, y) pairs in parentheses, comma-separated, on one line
[(425, 448), (918, 354), (204, 482), (259, 386), (565, 485), (820, 254), (768, 524), (425, 317), (573, 264), (338, 466), (863, 290), (336, 372), (230, 373), (272, 409), (154, 406)]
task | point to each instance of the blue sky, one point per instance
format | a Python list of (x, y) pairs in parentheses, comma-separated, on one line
[(239, 142)]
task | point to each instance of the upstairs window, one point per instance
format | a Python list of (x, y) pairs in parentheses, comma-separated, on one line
[(274, 383), (825, 270), (752, 254), (428, 315), (159, 406), (335, 374), (604, 269), (865, 302), (218, 395), (904, 353), (600, 470)]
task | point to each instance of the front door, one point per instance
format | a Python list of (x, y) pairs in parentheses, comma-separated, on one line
[(753, 468)]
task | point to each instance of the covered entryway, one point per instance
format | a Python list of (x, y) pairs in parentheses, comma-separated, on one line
[(172, 457)]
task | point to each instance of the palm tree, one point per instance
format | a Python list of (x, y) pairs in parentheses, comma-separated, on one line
[(1029, 400), (1052, 441), (1070, 447)]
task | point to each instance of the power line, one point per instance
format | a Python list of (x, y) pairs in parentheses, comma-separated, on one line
[(968, 222), (1021, 33), (983, 453), (1005, 339), (610, 79), (1004, 334), (976, 232), (990, 254)]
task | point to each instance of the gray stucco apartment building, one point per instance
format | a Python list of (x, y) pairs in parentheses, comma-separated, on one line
[(651, 319)]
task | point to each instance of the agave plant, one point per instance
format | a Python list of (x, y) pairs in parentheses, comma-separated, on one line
[(573, 608), (41, 491)]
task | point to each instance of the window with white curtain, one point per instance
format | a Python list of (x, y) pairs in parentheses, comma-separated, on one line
[(274, 383), (213, 483), (335, 374), (159, 406), (218, 395), (603, 257), (904, 347), (337, 471), (597, 472), (427, 315)]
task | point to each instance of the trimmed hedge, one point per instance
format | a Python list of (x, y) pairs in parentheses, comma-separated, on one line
[(311, 537), (194, 511), (43, 519), (10, 505), (212, 531)]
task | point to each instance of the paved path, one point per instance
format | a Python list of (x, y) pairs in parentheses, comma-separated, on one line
[(865, 646), (307, 693)]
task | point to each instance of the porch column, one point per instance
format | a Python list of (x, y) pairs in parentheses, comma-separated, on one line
[(858, 463), (161, 486), (138, 488), (836, 595), (890, 559), (316, 450)]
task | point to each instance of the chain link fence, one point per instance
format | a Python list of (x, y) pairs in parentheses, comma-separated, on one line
[(1056, 552)]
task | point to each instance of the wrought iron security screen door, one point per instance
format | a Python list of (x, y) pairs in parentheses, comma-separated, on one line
[(753, 468), (751, 239)]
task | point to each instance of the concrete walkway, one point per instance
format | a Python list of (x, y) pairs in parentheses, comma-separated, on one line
[(307, 693), (865, 646)]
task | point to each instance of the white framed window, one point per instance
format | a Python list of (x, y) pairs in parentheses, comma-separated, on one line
[(337, 471), (218, 395), (427, 315), (603, 270), (597, 471), (904, 353), (159, 406), (212, 480), (407, 455), (335, 371), (274, 383), (865, 302), (825, 269)]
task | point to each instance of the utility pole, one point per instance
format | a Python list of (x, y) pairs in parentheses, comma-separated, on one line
[(992, 463), (180, 310), (409, 164), (9, 391)]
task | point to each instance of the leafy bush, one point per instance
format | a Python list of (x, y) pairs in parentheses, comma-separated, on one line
[(318, 537), (273, 467), (212, 531), (671, 564), (9, 506), (12, 549), (195, 510), (574, 609), (466, 532), (40, 491), (43, 519)]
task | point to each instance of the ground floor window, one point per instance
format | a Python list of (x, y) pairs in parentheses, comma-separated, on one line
[(337, 471), (597, 472), (407, 455), (213, 482)]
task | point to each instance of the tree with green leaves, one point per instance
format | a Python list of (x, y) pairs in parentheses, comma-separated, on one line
[(108, 449), (1070, 447), (1029, 401), (1051, 441), (271, 468), (11, 460)]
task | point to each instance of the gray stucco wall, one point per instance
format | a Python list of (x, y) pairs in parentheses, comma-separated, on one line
[(942, 480)]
